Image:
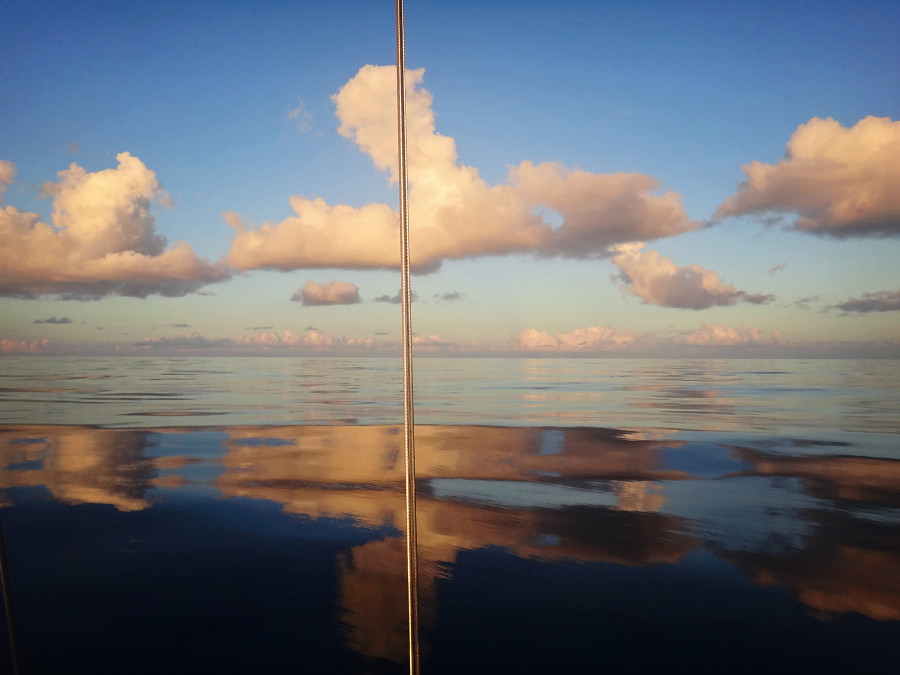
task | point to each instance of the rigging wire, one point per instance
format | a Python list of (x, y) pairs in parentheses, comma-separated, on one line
[(408, 417)]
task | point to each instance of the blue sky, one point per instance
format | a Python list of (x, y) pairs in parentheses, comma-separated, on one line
[(231, 107)]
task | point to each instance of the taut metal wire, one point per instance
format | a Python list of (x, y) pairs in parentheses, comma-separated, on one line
[(408, 417)]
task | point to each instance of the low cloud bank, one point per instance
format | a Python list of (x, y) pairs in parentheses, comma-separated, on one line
[(592, 338)]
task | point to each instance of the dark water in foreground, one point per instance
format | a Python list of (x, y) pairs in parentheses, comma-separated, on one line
[(759, 530)]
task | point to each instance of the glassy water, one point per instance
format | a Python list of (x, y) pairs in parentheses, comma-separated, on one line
[(575, 515)]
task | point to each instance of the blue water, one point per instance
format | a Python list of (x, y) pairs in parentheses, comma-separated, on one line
[(575, 515)]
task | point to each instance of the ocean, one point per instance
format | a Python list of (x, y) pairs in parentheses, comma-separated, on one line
[(234, 515)]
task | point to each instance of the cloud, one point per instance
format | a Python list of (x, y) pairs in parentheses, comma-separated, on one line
[(7, 174), (103, 240), (780, 267), (302, 117), (331, 293), (180, 325), (660, 281), (188, 340), (841, 182), (311, 338), (450, 296), (882, 301), (258, 328), (712, 334), (803, 303), (592, 338), (22, 346), (599, 210), (54, 320), (454, 213), (396, 299)]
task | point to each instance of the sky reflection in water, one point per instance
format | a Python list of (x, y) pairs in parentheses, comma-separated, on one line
[(266, 548)]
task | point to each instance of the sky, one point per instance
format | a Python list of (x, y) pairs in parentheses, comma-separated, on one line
[(599, 178)]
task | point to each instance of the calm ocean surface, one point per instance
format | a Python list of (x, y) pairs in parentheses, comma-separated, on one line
[(234, 515)]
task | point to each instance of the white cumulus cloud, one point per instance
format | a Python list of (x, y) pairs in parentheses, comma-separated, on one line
[(454, 213), (660, 281), (103, 240), (841, 182)]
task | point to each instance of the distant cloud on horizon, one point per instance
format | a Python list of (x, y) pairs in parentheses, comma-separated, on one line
[(592, 338), (54, 320), (23, 346), (712, 334)]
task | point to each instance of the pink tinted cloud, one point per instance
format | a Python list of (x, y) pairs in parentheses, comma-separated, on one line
[(592, 338), (312, 337), (190, 340), (841, 182), (331, 293), (23, 346), (659, 281), (712, 334), (103, 240), (454, 213)]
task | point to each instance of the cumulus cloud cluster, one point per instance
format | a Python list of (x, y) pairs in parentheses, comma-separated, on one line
[(882, 301), (331, 293), (841, 181), (660, 281), (312, 337), (454, 213), (592, 338), (712, 334), (23, 346), (103, 239)]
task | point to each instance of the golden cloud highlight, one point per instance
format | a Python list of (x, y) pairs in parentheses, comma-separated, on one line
[(841, 182), (102, 241), (454, 213)]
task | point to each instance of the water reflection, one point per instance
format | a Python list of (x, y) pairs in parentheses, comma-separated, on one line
[(826, 527)]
